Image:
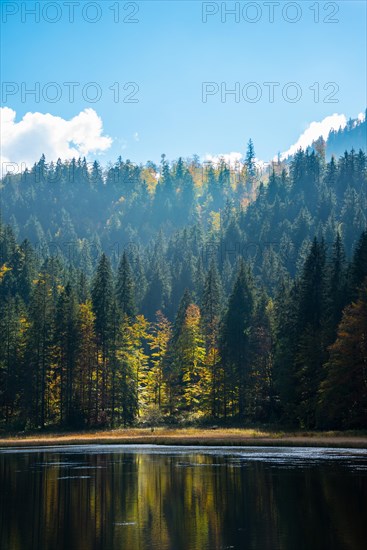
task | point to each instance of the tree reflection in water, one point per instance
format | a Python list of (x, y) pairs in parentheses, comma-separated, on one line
[(141, 500)]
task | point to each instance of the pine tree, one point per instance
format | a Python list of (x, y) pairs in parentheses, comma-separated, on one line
[(102, 300), (12, 335), (66, 340), (250, 160), (235, 343), (261, 394), (285, 346), (173, 359), (27, 270), (311, 348), (125, 287), (211, 311), (141, 282), (358, 270), (87, 364), (113, 355), (336, 283), (83, 288), (272, 188), (40, 350), (96, 176), (157, 293)]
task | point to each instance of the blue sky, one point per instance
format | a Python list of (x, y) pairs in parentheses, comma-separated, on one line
[(169, 52)]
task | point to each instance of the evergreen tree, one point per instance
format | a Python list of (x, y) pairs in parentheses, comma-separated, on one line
[(87, 364), (358, 270), (174, 359), (13, 326), (250, 159), (285, 344), (336, 298), (40, 351), (235, 343), (102, 300), (66, 340), (211, 312), (125, 287), (311, 350)]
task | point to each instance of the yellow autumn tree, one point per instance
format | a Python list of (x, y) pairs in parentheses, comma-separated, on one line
[(195, 373), (343, 393), (158, 338), (132, 368), (3, 271)]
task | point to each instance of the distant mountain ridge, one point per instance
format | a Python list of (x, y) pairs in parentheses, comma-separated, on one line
[(353, 136)]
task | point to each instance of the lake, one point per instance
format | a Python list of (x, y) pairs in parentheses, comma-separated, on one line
[(182, 498)]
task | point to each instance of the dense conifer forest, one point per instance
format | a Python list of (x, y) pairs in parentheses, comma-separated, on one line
[(186, 291)]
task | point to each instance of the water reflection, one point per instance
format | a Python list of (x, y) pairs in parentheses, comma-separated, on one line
[(133, 498)]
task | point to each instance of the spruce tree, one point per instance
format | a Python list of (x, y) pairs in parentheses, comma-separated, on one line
[(358, 269), (235, 343), (40, 351), (102, 300), (311, 347), (174, 359), (285, 346), (66, 340), (125, 287), (211, 311), (336, 298), (250, 159)]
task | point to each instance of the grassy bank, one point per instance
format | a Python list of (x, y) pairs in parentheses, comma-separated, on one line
[(190, 436)]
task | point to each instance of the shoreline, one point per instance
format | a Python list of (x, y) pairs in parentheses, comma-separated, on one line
[(189, 437)]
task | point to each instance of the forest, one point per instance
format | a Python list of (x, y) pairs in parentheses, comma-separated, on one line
[(185, 292)]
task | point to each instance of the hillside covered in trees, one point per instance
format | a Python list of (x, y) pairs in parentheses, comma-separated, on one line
[(185, 291), (353, 136)]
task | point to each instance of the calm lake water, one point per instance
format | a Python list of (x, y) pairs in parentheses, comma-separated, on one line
[(182, 498)]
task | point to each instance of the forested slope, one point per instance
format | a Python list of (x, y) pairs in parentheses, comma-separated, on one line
[(185, 291)]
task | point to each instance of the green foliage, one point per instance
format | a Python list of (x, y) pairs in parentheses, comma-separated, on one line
[(237, 294), (235, 346), (125, 287), (343, 393)]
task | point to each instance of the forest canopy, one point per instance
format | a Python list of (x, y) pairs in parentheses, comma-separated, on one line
[(185, 291)]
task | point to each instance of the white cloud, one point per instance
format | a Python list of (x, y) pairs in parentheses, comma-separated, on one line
[(25, 141), (231, 159), (234, 160), (314, 131), (136, 136)]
